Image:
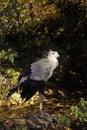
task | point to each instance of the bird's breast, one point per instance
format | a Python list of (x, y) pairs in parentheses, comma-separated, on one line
[(53, 63)]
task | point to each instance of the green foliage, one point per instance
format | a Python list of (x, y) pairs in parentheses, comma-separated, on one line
[(25, 22), (10, 72), (8, 56), (13, 75), (23, 16), (64, 120), (80, 111), (77, 113), (33, 23)]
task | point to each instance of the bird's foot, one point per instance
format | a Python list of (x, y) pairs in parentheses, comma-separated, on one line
[(46, 116), (41, 112)]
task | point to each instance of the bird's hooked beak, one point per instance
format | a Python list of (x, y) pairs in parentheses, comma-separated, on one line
[(58, 55)]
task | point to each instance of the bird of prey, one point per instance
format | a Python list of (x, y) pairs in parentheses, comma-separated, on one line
[(32, 79)]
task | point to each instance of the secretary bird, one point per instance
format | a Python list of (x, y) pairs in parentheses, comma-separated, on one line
[(32, 79)]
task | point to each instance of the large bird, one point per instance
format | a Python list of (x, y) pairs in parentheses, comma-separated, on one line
[(32, 79)]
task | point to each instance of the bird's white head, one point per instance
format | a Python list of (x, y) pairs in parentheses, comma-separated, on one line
[(53, 54)]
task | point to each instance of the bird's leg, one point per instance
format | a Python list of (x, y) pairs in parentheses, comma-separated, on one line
[(42, 114), (41, 102)]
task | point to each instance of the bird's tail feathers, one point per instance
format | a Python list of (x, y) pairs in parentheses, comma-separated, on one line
[(11, 91)]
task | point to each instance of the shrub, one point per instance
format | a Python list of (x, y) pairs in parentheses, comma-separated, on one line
[(77, 113), (80, 111), (8, 56)]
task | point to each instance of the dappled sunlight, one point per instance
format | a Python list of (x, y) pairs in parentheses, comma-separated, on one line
[(16, 109), (16, 104)]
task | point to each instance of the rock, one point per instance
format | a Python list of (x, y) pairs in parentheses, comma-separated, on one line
[(31, 122)]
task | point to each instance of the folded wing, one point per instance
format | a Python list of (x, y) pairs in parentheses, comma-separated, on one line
[(41, 70)]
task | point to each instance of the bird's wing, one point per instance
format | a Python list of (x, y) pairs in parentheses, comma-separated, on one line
[(41, 70), (25, 73), (24, 77)]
